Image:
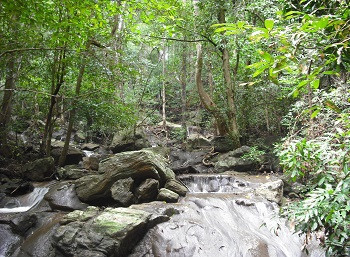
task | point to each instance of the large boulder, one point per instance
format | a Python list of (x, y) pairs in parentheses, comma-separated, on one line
[(39, 170), (121, 191), (74, 155), (138, 165), (90, 146), (62, 196), (112, 232), (234, 160), (128, 140)]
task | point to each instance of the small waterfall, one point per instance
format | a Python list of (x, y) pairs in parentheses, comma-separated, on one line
[(216, 184), (28, 201), (88, 153)]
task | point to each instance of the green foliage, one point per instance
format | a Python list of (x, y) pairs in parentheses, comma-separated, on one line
[(254, 154), (320, 160)]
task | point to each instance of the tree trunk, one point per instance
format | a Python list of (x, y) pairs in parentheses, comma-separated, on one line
[(183, 85), (58, 71), (230, 89), (163, 92), (6, 107), (63, 156)]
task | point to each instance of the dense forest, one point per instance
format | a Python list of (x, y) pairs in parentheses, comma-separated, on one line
[(270, 74)]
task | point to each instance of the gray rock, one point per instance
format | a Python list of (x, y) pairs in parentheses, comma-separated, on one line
[(239, 152), (176, 186), (236, 164), (196, 141), (187, 161), (272, 191), (90, 146), (39, 170), (167, 196), (126, 140), (112, 232), (91, 163), (72, 172), (79, 137), (147, 190), (138, 165), (62, 196), (9, 241), (21, 224), (222, 144), (121, 191), (74, 155)]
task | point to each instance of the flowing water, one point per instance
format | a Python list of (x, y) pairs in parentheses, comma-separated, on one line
[(221, 216), (26, 202)]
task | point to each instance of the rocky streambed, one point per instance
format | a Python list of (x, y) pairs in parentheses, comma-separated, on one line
[(133, 204)]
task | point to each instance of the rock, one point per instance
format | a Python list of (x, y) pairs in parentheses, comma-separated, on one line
[(236, 164), (160, 211), (176, 186), (126, 140), (138, 165), (74, 155), (15, 187), (222, 144), (90, 146), (112, 232), (39, 170), (272, 191), (121, 191), (79, 137), (187, 161), (9, 241), (91, 163), (167, 196), (196, 141), (233, 161), (57, 144), (62, 196), (147, 190), (72, 172), (239, 152), (22, 223)]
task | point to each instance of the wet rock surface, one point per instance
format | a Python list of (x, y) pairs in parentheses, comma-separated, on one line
[(236, 223), (39, 170), (62, 196), (111, 232)]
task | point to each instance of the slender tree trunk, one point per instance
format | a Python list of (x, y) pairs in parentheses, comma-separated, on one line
[(6, 106), (58, 71), (163, 91), (230, 87), (184, 85), (72, 113)]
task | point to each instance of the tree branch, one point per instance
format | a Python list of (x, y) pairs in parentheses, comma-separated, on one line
[(178, 39), (32, 49)]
